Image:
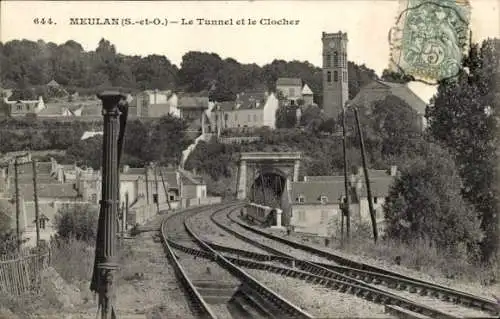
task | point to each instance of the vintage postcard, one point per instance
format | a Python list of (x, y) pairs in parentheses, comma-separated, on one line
[(250, 159)]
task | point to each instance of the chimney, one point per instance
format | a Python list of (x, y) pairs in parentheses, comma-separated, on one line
[(394, 170), (125, 168)]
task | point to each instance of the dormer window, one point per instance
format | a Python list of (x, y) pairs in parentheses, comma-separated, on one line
[(300, 199), (323, 199)]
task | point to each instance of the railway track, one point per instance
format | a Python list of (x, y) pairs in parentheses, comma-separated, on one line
[(244, 295), (454, 302)]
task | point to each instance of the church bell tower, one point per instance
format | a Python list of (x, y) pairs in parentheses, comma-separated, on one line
[(335, 85)]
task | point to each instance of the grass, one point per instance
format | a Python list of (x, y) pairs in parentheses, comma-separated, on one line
[(421, 256), (73, 260)]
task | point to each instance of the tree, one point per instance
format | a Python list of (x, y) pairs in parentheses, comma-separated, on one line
[(396, 77), (7, 235), (425, 202), (464, 117), (77, 221), (286, 116), (168, 140)]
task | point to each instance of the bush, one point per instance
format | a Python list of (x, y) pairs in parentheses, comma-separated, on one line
[(78, 222), (425, 203)]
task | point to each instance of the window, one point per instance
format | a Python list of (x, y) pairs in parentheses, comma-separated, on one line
[(335, 59), (375, 199), (300, 199), (323, 199), (328, 59), (93, 198), (344, 78), (292, 102), (335, 76), (226, 117), (329, 76), (19, 106), (291, 92), (171, 197), (42, 222), (255, 117), (249, 118), (216, 117)]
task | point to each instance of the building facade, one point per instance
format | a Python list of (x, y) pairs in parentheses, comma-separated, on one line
[(290, 89), (250, 109), (316, 201), (335, 77), (24, 107), (155, 103)]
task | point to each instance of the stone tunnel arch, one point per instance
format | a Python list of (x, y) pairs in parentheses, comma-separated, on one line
[(273, 171)]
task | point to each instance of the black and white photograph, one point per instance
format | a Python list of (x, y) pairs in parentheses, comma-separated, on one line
[(250, 159)]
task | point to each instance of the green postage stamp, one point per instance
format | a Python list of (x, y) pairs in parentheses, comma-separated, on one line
[(430, 38)]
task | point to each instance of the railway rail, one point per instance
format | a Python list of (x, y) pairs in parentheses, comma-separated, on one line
[(252, 288), (369, 274), (368, 278)]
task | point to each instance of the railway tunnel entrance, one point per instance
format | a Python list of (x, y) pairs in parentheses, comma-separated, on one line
[(264, 178)]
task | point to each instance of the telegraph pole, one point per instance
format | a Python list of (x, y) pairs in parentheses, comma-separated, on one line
[(106, 265), (165, 188), (37, 211), (156, 188), (367, 179), (346, 183), (18, 226), (147, 184)]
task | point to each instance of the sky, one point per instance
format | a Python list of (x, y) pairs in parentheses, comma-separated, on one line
[(367, 24)]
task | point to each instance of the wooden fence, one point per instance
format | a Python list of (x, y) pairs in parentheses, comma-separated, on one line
[(21, 273)]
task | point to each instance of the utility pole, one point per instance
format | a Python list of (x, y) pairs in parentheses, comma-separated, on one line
[(367, 179), (126, 211), (18, 226), (165, 188), (147, 184), (37, 212), (156, 189), (346, 183), (105, 265)]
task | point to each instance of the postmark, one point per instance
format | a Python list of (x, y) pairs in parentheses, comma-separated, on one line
[(430, 39)]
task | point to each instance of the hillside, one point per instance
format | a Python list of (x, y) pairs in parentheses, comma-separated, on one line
[(29, 66)]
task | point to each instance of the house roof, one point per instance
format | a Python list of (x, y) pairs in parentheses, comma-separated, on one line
[(169, 176), (47, 190), (244, 101), (313, 190), (399, 90), (406, 94), (306, 90), (187, 102), (379, 186), (289, 82), (53, 83)]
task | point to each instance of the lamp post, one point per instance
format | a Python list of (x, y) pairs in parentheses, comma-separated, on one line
[(345, 208), (105, 264)]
